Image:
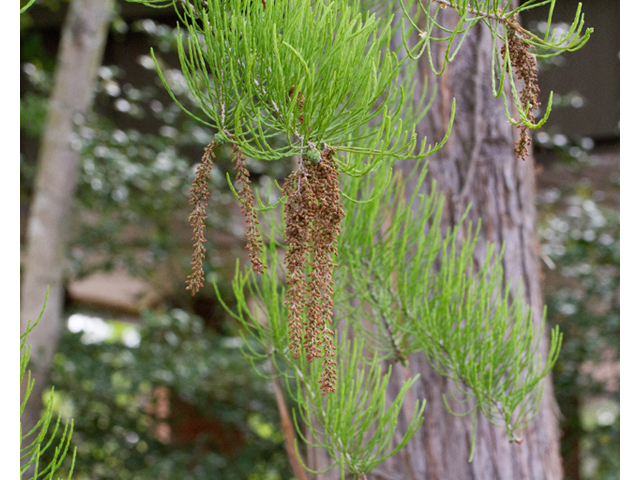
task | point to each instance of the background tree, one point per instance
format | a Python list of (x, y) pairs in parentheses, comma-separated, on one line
[(80, 56), (477, 166)]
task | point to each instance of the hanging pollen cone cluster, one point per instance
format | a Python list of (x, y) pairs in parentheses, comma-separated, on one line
[(198, 202), (524, 64), (313, 213)]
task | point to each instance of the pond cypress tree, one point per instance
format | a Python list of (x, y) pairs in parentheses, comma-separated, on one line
[(368, 281)]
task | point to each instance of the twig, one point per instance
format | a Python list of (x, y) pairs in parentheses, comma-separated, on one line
[(507, 21), (287, 428)]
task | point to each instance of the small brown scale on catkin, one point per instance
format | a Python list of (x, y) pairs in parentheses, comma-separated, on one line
[(198, 202), (313, 213), (247, 200), (525, 68)]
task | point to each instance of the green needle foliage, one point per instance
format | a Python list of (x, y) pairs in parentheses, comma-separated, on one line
[(422, 292), (402, 286), (500, 18), (355, 426), (31, 453), (27, 6), (312, 71)]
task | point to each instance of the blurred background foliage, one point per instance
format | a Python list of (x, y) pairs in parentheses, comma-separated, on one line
[(580, 245), (161, 401), (166, 393)]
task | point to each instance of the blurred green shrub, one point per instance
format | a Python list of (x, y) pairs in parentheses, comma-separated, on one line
[(161, 401)]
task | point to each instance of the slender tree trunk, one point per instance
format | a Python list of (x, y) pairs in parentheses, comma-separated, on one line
[(288, 430), (478, 166), (79, 56)]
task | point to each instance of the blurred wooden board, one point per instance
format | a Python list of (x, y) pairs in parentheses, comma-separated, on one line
[(115, 290)]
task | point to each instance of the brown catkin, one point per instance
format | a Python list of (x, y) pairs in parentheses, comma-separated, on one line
[(198, 202), (297, 223), (313, 214), (524, 64), (247, 200)]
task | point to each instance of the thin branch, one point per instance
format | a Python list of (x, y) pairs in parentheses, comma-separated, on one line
[(504, 20)]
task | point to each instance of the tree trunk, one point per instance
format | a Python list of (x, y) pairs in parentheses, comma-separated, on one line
[(478, 165), (79, 56)]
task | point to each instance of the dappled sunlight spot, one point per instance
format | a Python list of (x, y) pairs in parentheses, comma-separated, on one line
[(95, 329), (98, 330), (131, 338)]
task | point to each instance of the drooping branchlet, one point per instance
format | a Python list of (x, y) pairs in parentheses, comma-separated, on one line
[(198, 202), (313, 213), (247, 200), (524, 64)]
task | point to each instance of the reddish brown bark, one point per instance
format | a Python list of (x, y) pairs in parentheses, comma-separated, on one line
[(289, 433)]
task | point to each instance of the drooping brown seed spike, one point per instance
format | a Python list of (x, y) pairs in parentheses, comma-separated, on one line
[(524, 64), (313, 214), (198, 201), (247, 201), (297, 223)]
